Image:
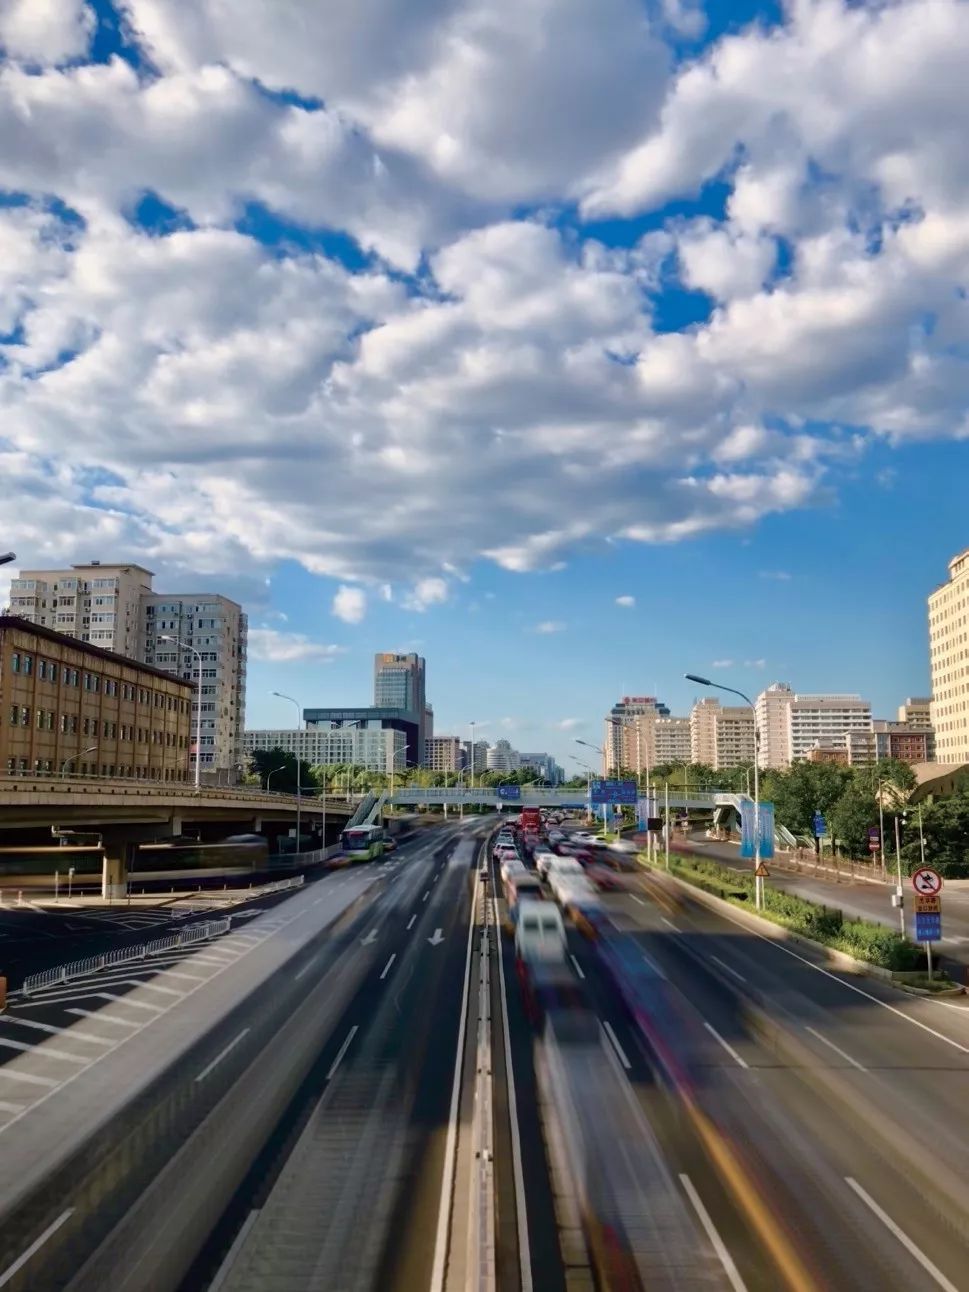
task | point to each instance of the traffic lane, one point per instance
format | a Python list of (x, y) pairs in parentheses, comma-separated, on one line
[(911, 1055), (373, 1163), (99, 1000), (383, 935), (757, 1103)]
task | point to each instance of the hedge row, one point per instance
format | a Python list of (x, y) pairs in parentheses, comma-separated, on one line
[(874, 943)]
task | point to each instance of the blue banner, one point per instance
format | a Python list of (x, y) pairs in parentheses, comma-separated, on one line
[(509, 791), (928, 926), (613, 792), (766, 813)]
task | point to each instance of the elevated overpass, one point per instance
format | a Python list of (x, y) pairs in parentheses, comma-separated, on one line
[(123, 812)]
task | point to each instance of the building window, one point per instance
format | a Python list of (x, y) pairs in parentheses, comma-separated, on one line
[(42, 670), (25, 715), (15, 662), (15, 715), (11, 766), (28, 665)]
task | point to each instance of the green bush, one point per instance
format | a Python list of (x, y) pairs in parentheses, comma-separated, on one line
[(873, 943)]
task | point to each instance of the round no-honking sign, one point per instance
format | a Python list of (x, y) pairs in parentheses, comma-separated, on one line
[(926, 881)]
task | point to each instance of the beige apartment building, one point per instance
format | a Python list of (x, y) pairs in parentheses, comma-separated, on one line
[(721, 735), (95, 603), (949, 662), (671, 737), (67, 706), (443, 753)]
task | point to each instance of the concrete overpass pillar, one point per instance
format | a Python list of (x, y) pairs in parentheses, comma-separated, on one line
[(116, 864)]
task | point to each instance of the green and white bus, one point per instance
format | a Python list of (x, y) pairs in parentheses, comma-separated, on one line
[(363, 842)]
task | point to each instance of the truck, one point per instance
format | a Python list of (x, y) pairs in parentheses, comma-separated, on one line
[(530, 821)]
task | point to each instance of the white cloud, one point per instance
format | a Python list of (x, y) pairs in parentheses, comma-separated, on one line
[(568, 724), (549, 626), (755, 663), (349, 604), (425, 593), (214, 405), (626, 602), (282, 647), (722, 663), (45, 31), (778, 576)]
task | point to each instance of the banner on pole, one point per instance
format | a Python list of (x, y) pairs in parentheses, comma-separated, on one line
[(766, 813)]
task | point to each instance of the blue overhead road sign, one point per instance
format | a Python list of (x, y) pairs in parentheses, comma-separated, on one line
[(509, 791), (613, 792)]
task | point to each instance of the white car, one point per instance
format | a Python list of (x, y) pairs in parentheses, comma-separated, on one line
[(562, 880), (573, 893), (543, 858), (540, 932), (564, 866), (512, 866)]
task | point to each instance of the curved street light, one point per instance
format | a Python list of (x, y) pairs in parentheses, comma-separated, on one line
[(73, 759), (299, 786)]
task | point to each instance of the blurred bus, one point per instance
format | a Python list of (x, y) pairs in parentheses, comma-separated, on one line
[(363, 842)]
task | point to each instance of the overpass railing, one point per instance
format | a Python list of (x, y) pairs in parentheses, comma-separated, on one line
[(125, 955)]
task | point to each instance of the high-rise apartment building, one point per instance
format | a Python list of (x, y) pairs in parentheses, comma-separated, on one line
[(721, 735), (543, 765), (502, 758), (442, 753), (217, 628), (671, 738), (773, 709), (916, 712), (399, 683), (629, 733), (825, 720), (95, 603), (886, 739), (378, 749), (480, 755), (113, 607), (949, 662)]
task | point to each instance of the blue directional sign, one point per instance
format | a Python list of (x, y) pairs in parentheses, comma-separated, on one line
[(928, 926), (509, 791), (820, 825), (613, 792)]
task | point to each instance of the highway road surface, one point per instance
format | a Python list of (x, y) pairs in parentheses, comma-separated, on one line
[(754, 1121)]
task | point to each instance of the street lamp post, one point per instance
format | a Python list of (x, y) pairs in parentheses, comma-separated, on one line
[(92, 749), (299, 784), (7, 557), (168, 637), (270, 775), (588, 782), (758, 881)]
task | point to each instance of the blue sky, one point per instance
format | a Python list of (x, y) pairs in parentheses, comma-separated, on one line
[(444, 329)]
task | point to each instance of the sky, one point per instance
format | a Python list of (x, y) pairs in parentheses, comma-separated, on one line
[(574, 345)]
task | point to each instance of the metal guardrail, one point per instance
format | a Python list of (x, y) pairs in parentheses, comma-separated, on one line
[(126, 955), (281, 885)]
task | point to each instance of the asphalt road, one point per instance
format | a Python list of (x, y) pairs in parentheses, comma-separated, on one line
[(348, 1193), (840, 1101)]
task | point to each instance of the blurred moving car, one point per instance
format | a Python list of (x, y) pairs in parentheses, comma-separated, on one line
[(543, 857)]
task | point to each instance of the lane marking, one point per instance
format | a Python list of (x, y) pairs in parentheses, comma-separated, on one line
[(307, 967), (670, 923), (641, 900), (719, 1246), (48, 1082), (410, 922), (426, 896), (577, 966), (11, 1108), (101, 1015), (35, 1246), (726, 1044), (729, 968), (123, 1000), (221, 1055), (24, 1047), (387, 966), (620, 1052), (342, 1051), (450, 1163), (223, 1271), (850, 986), (932, 1270), (56, 1031), (837, 1048)]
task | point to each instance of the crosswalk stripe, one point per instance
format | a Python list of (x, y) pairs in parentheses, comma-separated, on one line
[(22, 1046), (30, 1080), (73, 1032), (101, 1016)]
